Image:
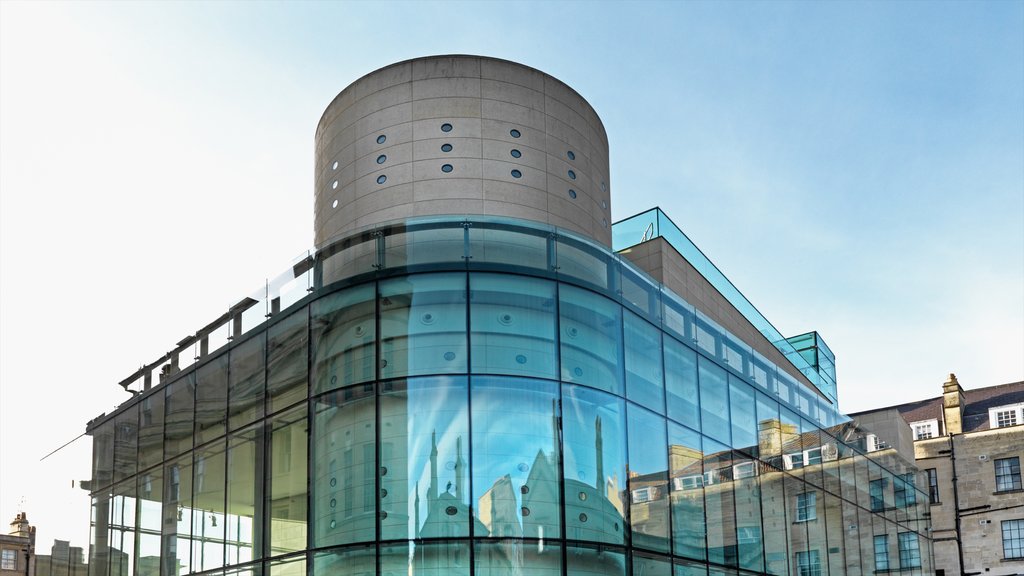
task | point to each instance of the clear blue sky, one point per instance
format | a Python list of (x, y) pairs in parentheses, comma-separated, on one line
[(854, 167)]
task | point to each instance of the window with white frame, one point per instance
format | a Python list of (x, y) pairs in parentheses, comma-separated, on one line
[(1013, 539), (882, 552), (808, 563), (1003, 416), (1008, 474), (806, 506), (910, 550), (925, 429), (9, 560)]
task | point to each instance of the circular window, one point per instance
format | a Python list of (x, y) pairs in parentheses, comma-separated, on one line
[(335, 166), (604, 187), (515, 153), (571, 155), (572, 193), (524, 489), (604, 205), (446, 127), (383, 492), (604, 222), (446, 168), (446, 147), (334, 186), (520, 359), (583, 517), (383, 515), (577, 371), (526, 511), (382, 159), (381, 139), (382, 179), (583, 496), (449, 356), (517, 174), (514, 133), (334, 204), (572, 175), (451, 510), (334, 502), (334, 481), (334, 524), (383, 470)]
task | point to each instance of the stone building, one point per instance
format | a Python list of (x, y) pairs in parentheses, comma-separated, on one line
[(17, 548), (969, 446)]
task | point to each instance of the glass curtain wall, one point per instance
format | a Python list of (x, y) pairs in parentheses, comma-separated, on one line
[(490, 423)]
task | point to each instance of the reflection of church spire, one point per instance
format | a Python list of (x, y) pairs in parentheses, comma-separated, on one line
[(417, 525), (460, 469), (599, 450), (432, 491)]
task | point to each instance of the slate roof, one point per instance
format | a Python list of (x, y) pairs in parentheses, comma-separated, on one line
[(977, 404)]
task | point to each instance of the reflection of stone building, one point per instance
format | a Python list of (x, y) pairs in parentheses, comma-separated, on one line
[(474, 373), (969, 445), (65, 560)]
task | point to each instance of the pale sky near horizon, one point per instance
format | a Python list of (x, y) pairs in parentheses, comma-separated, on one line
[(855, 168)]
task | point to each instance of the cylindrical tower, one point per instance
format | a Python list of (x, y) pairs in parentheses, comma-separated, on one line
[(460, 135)]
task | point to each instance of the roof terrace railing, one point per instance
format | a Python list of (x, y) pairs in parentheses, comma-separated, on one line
[(485, 244)]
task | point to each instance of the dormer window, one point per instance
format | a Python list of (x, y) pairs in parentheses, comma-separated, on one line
[(1003, 416), (925, 429)]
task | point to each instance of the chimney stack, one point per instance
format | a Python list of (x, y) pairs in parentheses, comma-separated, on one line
[(953, 405)]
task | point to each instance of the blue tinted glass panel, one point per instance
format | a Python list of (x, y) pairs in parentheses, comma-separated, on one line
[(686, 481), (345, 467), (594, 432), (651, 566), (286, 481), (425, 558), (681, 383), (513, 326), (714, 400), (644, 384), (719, 502), (515, 458), (648, 479), (423, 325), (769, 429), (424, 458), (287, 360), (744, 422), (495, 245), (247, 382), (356, 560), (594, 561), (178, 416), (749, 533), (343, 331), (591, 330), (519, 558)]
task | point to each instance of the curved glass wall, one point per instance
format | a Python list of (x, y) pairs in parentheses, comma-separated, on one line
[(504, 418)]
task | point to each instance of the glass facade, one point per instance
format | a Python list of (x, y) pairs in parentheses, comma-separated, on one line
[(508, 400)]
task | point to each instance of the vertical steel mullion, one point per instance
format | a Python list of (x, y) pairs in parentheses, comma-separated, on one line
[(561, 430), (469, 426)]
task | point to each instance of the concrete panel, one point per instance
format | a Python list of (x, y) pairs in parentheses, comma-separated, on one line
[(445, 67), (445, 109), (462, 168), (430, 148), (502, 171), (512, 73), (521, 117), (446, 88), (509, 92), (501, 150)]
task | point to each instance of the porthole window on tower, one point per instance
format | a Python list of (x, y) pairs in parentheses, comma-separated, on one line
[(571, 155), (382, 159), (446, 127), (515, 153), (334, 204), (335, 166), (517, 174), (446, 168), (572, 193), (572, 175), (381, 139), (382, 179), (334, 186), (446, 147), (514, 133)]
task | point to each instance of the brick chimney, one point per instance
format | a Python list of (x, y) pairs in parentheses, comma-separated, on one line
[(953, 405)]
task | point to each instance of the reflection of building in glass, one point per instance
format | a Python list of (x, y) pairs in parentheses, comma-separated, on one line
[(464, 378), (969, 445)]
